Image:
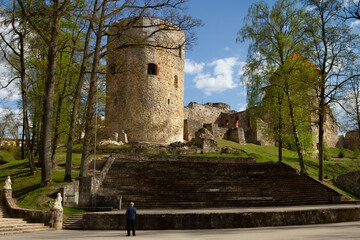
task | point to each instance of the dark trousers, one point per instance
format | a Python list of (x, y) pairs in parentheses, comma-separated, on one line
[(130, 224)]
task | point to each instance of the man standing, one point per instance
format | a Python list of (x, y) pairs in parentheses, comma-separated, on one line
[(130, 219)]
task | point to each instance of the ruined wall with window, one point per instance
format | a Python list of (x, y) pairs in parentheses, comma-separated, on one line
[(145, 80), (222, 122)]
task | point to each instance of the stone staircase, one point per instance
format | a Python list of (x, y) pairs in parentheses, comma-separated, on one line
[(213, 183), (74, 222), (3, 211), (16, 225)]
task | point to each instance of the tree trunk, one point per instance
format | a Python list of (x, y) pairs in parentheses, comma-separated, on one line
[(356, 90), (321, 132), (299, 149), (58, 110), (46, 174), (22, 143), (75, 110), (90, 104), (280, 141), (26, 127)]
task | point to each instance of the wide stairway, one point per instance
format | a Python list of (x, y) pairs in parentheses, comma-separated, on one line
[(17, 225), (158, 182)]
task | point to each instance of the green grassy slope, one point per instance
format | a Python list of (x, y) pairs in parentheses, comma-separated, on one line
[(27, 189), (335, 166)]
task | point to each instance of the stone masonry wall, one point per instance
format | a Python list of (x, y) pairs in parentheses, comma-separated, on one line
[(197, 114), (349, 182), (222, 119), (52, 218), (225, 219), (149, 107), (352, 140)]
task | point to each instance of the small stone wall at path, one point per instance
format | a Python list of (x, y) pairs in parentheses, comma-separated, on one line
[(211, 220), (78, 193), (49, 218), (349, 182)]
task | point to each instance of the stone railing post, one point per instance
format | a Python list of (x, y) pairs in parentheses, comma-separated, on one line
[(7, 189), (8, 183), (56, 220)]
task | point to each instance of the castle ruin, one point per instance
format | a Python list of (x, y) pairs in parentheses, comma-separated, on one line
[(145, 92), (145, 81)]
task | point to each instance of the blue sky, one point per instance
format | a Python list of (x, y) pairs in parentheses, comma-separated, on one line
[(214, 65)]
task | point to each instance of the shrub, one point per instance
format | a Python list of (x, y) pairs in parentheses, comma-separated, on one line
[(326, 153), (341, 153), (356, 152), (13, 150)]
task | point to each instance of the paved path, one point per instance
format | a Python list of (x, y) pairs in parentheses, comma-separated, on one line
[(338, 231)]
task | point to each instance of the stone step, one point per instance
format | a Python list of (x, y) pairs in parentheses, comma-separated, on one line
[(15, 231), (74, 222), (4, 221), (26, 226)]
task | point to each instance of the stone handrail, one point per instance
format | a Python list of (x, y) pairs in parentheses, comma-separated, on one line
[(103, 173), (52, 218)]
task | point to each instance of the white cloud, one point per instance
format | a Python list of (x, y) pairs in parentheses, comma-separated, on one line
[(355, 24), (191, 67), (242, 107), (17, 112), (220, 75), (11, 92), (227, 49)]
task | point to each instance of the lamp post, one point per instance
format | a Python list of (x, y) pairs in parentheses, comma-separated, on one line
[(94, 161)]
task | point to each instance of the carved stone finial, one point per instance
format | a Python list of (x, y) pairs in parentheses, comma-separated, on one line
[(7, 183)]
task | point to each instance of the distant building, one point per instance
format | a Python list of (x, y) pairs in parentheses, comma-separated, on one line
[(10, 142)]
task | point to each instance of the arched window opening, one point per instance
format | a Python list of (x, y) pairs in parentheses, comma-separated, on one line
[(112, 69), (152, 69), (168, 101), (176, 81), (237, 122)]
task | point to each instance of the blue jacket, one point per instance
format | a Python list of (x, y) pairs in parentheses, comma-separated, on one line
[(130, 213)]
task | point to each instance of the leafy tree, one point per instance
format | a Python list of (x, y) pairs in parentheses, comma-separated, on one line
[(14, 52), (330, 47), (351, 9), (351, 104), (58, 10), (275, 34), (351, 12)]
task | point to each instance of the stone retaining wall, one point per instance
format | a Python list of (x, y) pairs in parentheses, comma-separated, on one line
[(78, 193), (349, 182), (49, 218), (210, 220), (185, 158)]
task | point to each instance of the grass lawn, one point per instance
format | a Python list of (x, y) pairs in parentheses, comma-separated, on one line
[(27, 189)]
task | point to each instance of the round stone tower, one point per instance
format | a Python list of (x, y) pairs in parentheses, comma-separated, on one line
[(145, 80)]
